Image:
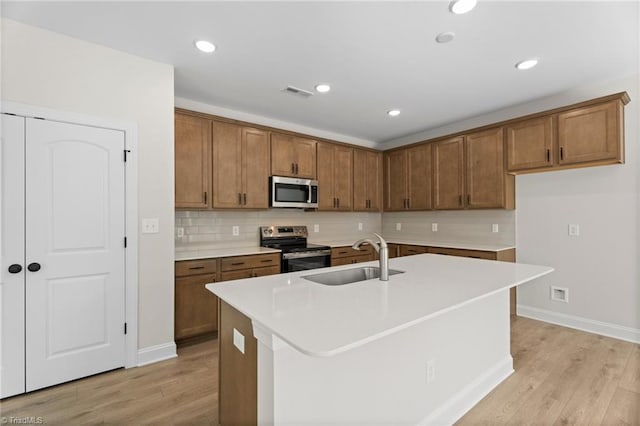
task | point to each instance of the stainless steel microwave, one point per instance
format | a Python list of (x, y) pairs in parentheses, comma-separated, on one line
[(293, 192)]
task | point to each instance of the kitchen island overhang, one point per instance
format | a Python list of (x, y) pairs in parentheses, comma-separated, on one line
[(422, 348)]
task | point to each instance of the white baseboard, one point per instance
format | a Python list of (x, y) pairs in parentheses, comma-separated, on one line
[(456, 407), (156, 353), (592, 326)]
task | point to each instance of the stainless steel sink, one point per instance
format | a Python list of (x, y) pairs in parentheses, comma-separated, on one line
[(348, 276)]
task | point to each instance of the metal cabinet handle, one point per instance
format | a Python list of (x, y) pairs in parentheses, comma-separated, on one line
[(239, 198), (196, 267), (548, 155), (237, 263), (15, 268), (205, 197), (266, 260), (293, 168), (561, 153), (34, 267), (244, 198), (459, 199), (296, 168), (469, 199)]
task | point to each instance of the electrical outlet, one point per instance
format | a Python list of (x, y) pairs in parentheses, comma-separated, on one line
[(574, 230), (495, 228), (434, 227), (180, 232), (235, 230), (559, 294), (150, 225), (359, 226), (398, 226), (431, 371), (316, 228)]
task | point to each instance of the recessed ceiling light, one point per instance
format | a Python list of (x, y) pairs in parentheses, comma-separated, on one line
[(322, 88), (205, 46), (393, 112), (527, 64), (462, 6), (445, 37)]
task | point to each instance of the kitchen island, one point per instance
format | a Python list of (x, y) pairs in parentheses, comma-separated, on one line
[(421, 348)]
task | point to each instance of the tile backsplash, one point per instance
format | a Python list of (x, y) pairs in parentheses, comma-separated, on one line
[(215, 228), (468, 226)]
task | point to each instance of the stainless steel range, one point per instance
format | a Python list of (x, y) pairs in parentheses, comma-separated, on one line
[(297, 254)]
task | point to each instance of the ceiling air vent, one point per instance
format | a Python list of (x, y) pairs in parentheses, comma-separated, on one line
[(297, 91)]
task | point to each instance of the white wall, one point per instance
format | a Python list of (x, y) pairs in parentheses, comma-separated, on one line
[(46, 69), (600, 266)]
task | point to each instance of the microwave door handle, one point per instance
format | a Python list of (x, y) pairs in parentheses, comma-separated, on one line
[(309, 192)]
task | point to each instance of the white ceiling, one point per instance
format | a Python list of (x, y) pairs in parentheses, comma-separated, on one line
[(376, 55)]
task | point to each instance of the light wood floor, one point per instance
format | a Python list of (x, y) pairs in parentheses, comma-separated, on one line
[(562, 377)]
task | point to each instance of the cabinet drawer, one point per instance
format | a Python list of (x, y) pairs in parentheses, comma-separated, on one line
[(410, 250), (478, 254), (249, 273), (248, 262), (196, 308), (196, 267), (338, 252), (348, 260)]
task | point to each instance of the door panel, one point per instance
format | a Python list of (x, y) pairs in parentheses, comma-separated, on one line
[(192, 162), (305, 158), (485, 169), (396, 180), (12, 252), (75, 231), (227, 165), (343, 176), (326, 184), (419, 177), (256, 168), (448, 174)]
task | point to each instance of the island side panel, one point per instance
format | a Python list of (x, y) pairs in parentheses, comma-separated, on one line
[(387, 381), (238, 390)]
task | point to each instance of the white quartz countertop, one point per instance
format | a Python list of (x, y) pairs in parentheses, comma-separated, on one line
[(465, 246), (204, 252), (322, 320)]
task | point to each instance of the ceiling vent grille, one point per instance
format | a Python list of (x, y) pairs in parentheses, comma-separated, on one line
[(298, 92)]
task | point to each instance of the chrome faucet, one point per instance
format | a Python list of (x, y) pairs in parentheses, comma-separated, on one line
[(383, 253)]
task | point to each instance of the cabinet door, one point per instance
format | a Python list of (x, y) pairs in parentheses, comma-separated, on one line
[(530, 144), (485, 169), (343, 176), (255, 168), (326, 195), (448, 174), (410, 250), (196, 308), (305, 158), (396, 180), (419, 177), (227, 165), (192, 162), (367, 180), (590, 133), (282, 155)]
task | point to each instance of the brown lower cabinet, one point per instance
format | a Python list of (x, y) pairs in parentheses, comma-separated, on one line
[(347, 255), (238, 371), (196, 308)]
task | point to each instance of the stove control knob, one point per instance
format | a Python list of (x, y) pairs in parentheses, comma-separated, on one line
[(270, 231)]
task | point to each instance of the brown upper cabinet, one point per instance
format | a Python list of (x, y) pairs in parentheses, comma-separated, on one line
[(293, 156), (469, 172), (408, 179), (240, 167), (587, 134), (192, 162), (335, 177), (367, 180)]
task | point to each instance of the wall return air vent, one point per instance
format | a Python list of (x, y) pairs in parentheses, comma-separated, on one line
[(292, 90)]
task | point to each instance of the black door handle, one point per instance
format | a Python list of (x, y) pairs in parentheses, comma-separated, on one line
[(15, 268), (34, 267)]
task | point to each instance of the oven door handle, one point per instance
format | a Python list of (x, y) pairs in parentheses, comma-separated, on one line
[(300, 255)]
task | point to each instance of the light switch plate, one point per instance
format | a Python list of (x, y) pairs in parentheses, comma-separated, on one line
[(316, 228), (235, 230), (495, 228), (398, 226), (180, 232), (434, 227), (150, 225), (359, 226)]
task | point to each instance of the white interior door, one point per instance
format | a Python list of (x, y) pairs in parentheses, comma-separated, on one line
[(12, 257), (75, 228)]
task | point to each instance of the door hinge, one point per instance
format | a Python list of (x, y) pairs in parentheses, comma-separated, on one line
[(10, 113), (126, 151), (125, 328), (125, 242)]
